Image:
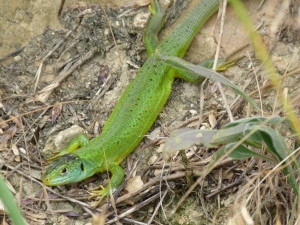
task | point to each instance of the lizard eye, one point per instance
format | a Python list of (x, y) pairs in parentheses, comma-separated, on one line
[(82, 167), (64, 170)]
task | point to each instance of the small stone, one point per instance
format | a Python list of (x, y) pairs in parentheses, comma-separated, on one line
[(134, 183), (60, 140), (141, 20), (152, 159), (17, 58), (193, 112)]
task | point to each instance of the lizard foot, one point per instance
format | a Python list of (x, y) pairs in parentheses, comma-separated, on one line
[(99, 194)]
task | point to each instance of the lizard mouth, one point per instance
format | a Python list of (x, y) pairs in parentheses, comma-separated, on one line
[(47, 181), (55, 181)]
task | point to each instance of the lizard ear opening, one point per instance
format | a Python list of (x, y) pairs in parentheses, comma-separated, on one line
[(82, 167)]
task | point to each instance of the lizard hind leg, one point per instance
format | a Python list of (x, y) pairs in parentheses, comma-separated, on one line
[(207, 63), (117, 176), (154, 26)]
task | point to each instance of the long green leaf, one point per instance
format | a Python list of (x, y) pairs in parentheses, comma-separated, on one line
[(273, 140), (186, 137), (242, 152), (276, 145), (230, 134)]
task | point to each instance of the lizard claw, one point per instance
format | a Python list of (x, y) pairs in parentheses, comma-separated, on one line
[(99, 195), (102, 193), (154, 7)]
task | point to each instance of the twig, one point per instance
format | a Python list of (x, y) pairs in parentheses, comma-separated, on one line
[(131, 221), (11, 54), (190, 120), (203, 201), (157, 207), (260, 4), (157, 180), (193, 164), (149, 184), (102, 90), (117, 192), (237, 182), (133, 209), (201, 102), (270, 172), (160, 185), (257, 83), (61, 6), (225, 102), (46, 91), (216, 60), (39, 71)]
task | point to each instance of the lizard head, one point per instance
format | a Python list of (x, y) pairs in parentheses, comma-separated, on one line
[(66, 169)]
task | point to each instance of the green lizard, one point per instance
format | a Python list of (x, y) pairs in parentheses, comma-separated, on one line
[(137, 108)]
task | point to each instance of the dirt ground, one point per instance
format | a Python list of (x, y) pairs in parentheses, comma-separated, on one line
[(70, 75)]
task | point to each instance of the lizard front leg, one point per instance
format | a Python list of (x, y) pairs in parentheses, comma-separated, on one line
[(77, 142), (117, 176)]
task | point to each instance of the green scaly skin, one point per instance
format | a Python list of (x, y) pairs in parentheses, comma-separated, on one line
[(137, 108)]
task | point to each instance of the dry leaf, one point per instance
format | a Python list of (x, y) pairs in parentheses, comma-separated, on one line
[(56, 110), (8, 134), (18, 158), (3, 124)]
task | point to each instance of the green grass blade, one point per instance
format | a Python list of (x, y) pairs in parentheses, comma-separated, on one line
[(10, 204), (291, 179)]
